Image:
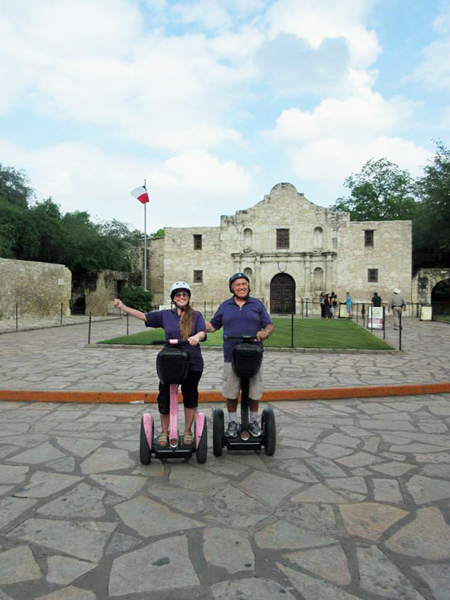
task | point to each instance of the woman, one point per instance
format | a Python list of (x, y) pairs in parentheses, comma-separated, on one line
[(181, 322)]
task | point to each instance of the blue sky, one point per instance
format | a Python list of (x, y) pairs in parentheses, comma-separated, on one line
[(213, 102)]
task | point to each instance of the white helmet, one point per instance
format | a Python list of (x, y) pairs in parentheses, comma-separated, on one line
[(179, 285)]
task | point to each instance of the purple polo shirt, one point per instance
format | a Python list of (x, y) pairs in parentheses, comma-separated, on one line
[(170, 322), (248, 320)]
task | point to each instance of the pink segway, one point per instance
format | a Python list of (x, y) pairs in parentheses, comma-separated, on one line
[(172, 367)]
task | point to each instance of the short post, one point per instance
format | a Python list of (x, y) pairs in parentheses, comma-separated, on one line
[(61, 313), (128, 324), (17, 316), (307, 309), (89, 329), (292, 330), (302, 308), (384, 322), (363, 314), (400, 329)]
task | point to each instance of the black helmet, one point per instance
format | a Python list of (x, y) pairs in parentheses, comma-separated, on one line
[(238, 276)]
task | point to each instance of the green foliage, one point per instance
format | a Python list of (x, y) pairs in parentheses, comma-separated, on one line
[(380, 192), (40, 232), (308, 333), (137, 297), (431, 229), (160, 233)]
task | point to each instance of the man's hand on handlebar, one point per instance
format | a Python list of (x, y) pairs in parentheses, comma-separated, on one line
[(262, 335)]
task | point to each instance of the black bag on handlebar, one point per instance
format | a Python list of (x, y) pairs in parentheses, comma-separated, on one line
[(172, 364), (246, 360)]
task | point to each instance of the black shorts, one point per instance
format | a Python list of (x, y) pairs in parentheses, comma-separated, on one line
[(189, 390)]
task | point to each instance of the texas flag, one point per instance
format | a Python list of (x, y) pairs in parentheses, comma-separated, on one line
[(141, 194)]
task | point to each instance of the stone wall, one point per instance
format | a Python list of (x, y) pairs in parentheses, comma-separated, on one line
[(326, 252), (425, 281), (38, 289), (100, 289)]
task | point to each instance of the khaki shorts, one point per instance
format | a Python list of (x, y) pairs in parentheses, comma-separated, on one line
[(231, 384)]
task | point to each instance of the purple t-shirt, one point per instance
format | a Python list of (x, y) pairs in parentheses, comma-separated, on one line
[(170, 322), (248, 320)]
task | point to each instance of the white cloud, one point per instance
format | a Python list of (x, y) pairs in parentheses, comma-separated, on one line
[(316, 21), (336, 138)]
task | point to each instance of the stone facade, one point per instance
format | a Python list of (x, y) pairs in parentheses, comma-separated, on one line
[(425, 281), (291, 249), (95, 292), (37, 289)]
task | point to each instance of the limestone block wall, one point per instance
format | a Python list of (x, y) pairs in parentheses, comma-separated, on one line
[(390, 255), (214, 260), (155, 275), (103, 288), (38, 289), (425, 281)]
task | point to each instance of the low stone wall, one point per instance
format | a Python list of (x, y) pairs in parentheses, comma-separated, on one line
[(34, 289)]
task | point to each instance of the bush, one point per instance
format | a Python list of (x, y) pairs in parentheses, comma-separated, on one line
[(136, 297)]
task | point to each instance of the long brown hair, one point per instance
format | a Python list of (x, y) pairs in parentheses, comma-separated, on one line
[(187, 321)]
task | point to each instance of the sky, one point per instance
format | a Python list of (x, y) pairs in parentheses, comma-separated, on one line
[(214, 102)]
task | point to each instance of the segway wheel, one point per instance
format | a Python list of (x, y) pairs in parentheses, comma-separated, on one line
[(202, 449), (269, 431), (218, 431), (145, 454)]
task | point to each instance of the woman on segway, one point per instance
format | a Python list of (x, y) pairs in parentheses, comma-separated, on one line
[(181, 322)]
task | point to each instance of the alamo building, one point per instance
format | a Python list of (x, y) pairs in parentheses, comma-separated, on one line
[(291, 250)]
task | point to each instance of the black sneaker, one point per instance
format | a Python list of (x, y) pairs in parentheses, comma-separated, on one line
[(254, 429), (232, 429)]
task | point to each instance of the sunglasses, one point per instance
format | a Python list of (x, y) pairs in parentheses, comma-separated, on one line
[(181, 295)]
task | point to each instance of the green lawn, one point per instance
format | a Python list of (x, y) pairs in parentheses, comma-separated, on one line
[(308, 333)]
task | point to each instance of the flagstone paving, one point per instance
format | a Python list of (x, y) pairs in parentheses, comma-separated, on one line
[(354, 505)]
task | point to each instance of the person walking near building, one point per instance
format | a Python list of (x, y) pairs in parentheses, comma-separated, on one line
[(184, 323), (397, 304), (241, 315)]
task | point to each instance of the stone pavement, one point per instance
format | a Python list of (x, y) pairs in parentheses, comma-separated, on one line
[(355, 504), (57, 359)]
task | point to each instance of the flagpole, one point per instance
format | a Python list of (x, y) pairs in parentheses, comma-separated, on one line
[(145, 242)]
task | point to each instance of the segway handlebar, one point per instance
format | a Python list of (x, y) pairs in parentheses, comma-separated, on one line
[(242, 338), (172, 341)]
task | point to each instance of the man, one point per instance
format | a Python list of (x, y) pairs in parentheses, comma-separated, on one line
[(397, 304), (376, 300), (241, 315)]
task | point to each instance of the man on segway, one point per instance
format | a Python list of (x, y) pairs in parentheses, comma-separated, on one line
[(241, 315)]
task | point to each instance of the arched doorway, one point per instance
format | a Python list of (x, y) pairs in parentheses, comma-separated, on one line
[(440, 298), (282, 294)]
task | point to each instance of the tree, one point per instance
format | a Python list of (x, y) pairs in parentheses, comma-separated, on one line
[(431, 228), (15, 194), (14, 187), (137, 297), (381, 192)]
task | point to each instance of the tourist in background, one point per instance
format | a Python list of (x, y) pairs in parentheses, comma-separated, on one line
[(397, 304)]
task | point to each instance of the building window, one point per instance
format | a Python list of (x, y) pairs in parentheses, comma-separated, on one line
[(368, 238), (198, 276), (197, 242), (372, 275), (282, 239)]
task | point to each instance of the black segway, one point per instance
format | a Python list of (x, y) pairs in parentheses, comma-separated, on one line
[(246, 362), (172, 368)]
